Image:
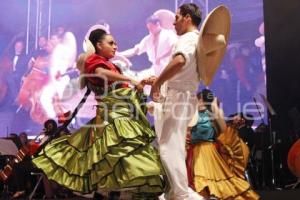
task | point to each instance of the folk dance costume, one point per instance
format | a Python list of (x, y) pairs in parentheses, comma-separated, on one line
[(209, 168), (234, 151), (112, 151), (178, 108)]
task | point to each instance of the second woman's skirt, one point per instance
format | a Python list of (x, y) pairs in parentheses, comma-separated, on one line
[(212, 172)]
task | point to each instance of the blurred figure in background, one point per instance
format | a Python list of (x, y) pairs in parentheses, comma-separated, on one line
[(62, 60), (157, 45), (17, 68), (260, 43), (28, 99), (39, 52)]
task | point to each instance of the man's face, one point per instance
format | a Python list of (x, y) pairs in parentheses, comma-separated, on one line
[(55, 40), (19, 48), (42, 42), (180, 23), (152, 28), (51, 44)]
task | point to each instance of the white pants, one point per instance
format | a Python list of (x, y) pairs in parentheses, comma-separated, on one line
[(178, 109), (192, 196)]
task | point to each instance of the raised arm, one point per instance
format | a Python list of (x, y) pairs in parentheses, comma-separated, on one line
[(129, 52), (218, 115)]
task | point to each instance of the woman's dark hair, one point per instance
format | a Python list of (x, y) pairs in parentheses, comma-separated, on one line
[(193, 10), (50, 126), (25, 134), (96, 36), (206, 95)]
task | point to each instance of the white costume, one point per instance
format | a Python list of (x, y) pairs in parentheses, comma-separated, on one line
[(178, 108), (158, 51), (62, 58)]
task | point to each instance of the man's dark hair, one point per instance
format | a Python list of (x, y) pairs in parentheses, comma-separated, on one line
[(193, 10), (153, 20), (96, 36)]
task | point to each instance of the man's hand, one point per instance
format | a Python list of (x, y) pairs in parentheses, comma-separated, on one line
[(149, 81), (155, 92)]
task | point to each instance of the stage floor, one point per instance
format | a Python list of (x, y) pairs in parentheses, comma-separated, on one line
[(265, 195)]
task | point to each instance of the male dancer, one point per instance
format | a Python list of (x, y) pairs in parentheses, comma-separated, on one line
[(181, 79)]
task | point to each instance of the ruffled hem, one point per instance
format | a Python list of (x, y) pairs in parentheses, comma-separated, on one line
[(231, 188), (211, 171), (234, 151), (123, 175), (113, 156)]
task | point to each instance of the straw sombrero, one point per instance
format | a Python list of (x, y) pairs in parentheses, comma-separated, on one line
[(212, 43)]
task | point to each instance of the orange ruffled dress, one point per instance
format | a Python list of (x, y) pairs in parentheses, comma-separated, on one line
[(210, 169)]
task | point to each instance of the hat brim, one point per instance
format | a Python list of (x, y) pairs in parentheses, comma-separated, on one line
[(217, 23)]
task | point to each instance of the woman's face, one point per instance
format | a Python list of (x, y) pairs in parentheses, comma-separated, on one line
[(201, 105), (107, 47)]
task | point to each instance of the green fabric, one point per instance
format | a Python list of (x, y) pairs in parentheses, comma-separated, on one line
[(109, 155)]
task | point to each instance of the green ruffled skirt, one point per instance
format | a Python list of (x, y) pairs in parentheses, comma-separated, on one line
[(111, 152)]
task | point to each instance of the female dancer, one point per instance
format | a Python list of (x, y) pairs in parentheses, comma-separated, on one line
[(113, 151), (211, 174)]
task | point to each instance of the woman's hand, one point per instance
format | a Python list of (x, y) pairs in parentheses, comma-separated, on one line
[(218, 115), (188, 138), (138, 85), (149, 81), (238, 122)]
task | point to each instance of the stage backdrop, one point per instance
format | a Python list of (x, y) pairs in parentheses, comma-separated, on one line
[(240, 78)]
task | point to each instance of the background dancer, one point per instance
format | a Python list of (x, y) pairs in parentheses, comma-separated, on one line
[(212, 175)]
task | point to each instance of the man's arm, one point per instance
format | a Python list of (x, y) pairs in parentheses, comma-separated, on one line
[(137, 49), (171, 70), (129, 52)]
